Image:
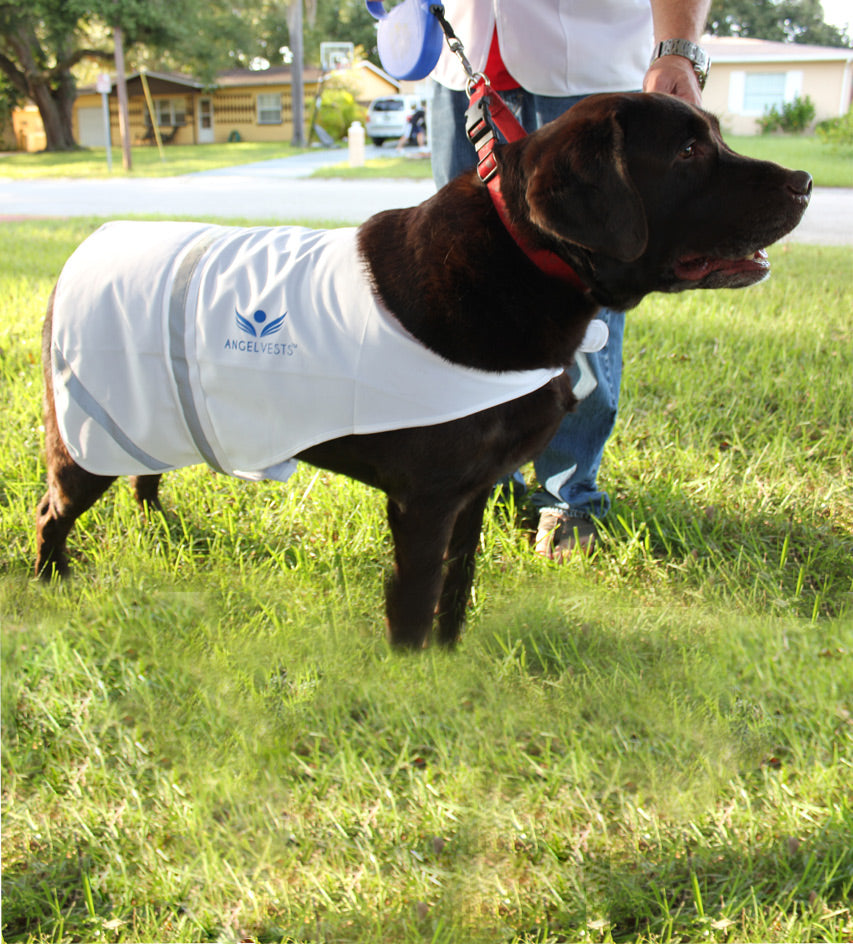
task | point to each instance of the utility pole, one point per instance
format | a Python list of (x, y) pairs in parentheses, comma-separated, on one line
[(297, 91), (121, 90)]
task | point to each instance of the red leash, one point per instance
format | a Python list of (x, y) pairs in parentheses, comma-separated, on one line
[(485, 109)]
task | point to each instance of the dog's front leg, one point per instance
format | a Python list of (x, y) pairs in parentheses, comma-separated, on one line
[(421, 532), (459, 573)]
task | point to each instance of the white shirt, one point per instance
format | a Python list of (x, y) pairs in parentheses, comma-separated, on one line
[(554, 47), (180, 343)]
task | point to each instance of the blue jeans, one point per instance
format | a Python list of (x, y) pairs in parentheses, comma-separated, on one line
[(567, 470)]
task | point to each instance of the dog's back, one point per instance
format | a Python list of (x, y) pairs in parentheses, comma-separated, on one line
[(180, 343)]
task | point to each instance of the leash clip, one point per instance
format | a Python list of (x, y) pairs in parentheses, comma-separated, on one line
[(454, 43)]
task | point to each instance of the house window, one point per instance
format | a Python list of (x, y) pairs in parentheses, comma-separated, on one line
[(170, 111), (269, 109), (755, 93), (762, 91)]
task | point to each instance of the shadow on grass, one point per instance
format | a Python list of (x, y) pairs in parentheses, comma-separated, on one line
[(754, 888)]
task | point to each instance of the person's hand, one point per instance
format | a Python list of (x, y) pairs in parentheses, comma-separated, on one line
[(674, 75)]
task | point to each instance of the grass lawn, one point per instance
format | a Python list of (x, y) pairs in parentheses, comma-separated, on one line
[(829, 167), (146, 161), (206, 738), (393, 166)]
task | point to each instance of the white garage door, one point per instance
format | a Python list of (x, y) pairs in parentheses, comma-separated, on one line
[(90, 123)]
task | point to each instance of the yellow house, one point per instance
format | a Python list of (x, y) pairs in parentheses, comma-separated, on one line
[(748, 76), (366, 81), (27, 128), (243, 104)]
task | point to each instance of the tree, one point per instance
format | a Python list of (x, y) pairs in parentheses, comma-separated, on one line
[(345, 21), (786, 21), (42, 41), (39, 44), (325, 21)]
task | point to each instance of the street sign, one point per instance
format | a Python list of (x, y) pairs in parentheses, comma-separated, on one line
[(104, 85)]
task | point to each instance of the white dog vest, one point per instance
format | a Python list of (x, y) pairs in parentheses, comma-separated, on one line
[(180, 343)]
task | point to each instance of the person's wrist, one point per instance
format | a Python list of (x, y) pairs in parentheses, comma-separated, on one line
[(692, 52)]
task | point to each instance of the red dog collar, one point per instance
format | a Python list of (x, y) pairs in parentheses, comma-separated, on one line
[(487, 106)]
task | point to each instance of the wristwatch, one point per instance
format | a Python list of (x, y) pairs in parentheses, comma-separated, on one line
[(683, 47)]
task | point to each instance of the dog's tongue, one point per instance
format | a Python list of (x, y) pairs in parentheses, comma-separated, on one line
[(694, 268)]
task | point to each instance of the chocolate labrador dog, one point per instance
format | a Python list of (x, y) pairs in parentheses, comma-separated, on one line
[(630, 194)]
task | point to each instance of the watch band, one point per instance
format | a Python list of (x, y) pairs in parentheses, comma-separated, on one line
[(683, 47)]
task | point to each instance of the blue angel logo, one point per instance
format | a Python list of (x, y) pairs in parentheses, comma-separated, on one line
[(261, 328)]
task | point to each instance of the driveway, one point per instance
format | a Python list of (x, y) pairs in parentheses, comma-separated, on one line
[(283, 190)]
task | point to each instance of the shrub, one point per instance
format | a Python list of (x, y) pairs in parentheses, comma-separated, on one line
[(338, 110), (794, 117), (836, 132)]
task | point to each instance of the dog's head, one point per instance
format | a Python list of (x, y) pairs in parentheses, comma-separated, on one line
[(640, 192)]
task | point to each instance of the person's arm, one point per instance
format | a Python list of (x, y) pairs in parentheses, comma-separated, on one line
[(674, 74)]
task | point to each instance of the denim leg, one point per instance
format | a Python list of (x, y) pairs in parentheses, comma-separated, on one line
[(451, 150), (567, 469), (546, 108)]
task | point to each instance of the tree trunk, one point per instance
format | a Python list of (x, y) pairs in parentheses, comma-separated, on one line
[(54, 105), (53, 93), (121, 94)]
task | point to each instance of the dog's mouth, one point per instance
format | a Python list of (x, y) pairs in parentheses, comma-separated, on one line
[(697, 268)]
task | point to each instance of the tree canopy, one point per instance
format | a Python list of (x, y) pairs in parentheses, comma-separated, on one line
[(44, 43), (785, 21)]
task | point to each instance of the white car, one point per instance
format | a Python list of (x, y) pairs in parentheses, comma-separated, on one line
[(388, 118)]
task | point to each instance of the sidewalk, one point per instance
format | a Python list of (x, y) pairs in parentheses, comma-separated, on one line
[(282, 190), (828, 221), (270, 191)]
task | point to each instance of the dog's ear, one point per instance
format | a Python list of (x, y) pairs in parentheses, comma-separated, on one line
[(578, 188)]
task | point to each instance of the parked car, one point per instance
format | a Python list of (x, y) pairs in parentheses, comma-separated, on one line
[(388, 118)]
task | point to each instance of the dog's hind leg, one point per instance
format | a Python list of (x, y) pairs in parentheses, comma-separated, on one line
[(459, 571), (421, 533), (70, 491), (145, 492), (70, 488)]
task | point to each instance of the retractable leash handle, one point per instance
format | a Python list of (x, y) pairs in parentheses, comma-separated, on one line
[(409, 37)]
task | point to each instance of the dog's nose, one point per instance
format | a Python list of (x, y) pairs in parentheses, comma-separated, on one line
[(800, 184)]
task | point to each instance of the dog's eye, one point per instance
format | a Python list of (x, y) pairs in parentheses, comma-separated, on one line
[(687, 150)]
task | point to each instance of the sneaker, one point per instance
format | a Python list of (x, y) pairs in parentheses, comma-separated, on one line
[(559, 533)]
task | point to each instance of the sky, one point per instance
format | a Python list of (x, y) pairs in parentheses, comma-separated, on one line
[(838, 12)]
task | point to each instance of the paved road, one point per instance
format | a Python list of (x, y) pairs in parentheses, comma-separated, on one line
[(268, 190), (829, 219), (282, 190)]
